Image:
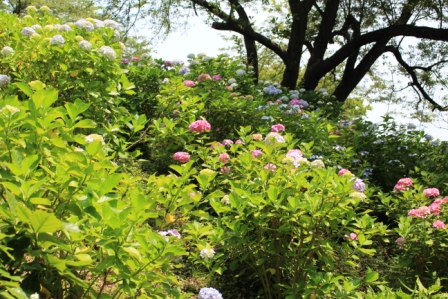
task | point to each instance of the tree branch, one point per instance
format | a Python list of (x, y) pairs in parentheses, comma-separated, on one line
[(415, 82)]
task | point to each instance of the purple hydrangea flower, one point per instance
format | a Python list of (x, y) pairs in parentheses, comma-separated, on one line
[(209, 293), (184, 71), (359, 185)]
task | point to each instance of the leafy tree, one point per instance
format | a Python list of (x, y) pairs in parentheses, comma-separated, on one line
[(318, 37)]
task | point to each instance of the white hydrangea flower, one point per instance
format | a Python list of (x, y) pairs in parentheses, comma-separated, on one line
[(193, 62), (65, 28), (108, 52), (57, 40), (240, 72), (4, 79), (206, 58), (145, 56), (34, 296), (274, 138), (318, 164), (225, 199), (28, 31), (201, 54), (207, 253), (94, 137), (232, 80), (233, 85), (12, 110), (191, 56), (358, 195), (111, 24), (7, 50), (49, 27), (31, 8), (84, 24), (85, 45), (117, 35)]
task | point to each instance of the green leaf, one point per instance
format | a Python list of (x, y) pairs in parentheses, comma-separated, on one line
[(133, 252), (371, 276), (43, 222)]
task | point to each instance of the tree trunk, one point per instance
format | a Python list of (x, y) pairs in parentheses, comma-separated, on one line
[(291, 74), (252, 55)]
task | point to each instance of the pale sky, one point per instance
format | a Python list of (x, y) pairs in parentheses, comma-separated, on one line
[(201, 38)]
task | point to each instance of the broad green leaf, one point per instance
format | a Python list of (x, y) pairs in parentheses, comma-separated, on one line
[(43, 222), (371, 276)]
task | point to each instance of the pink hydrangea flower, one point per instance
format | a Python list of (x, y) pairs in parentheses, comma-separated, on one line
[(439, 224), (256, 153), (257, 137), (215, 144), (224, 158), (270, 167), (203, 77), (239, 141), (352, 236), (421, 212), (343, 172), (294, 153), (435, 206), (294, 102), (431, 192), (189, 83), (227, 142), (400, 241), (277, 128), (216, 78), (182, 157), (200, 126), (225, 169), (403, 184)]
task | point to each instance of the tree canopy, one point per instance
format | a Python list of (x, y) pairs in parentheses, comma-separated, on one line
[(316, 37)]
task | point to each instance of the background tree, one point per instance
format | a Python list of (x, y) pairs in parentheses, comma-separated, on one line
[(317, 37)]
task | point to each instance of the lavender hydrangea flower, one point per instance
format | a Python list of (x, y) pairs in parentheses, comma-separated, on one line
[(57, 40), (28, 31), (65, 28), (4, 80), (209, 293), (111, 24), (359, 185)]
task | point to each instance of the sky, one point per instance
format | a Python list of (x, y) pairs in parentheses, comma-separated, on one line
[(201, 38)]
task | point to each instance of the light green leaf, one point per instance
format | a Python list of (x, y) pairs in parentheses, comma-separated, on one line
[(43, 222)]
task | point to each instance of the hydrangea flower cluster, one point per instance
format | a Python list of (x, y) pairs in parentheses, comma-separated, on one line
[(431, 192), (7, 50), (183, 157), (94, 137), (65, 28), (271, 167), (240, 72), (107, 52), (203, 77), (4, 80), (28, 31), (277, 128), (207, 253), (11, 109), (256, 153), (403, 184), (359, 185), (85, 45), (274, 138), (84, 24), (57, 40), (352, 236), (189, 83), (224, 158), (200, 126), (184, 71), (272, 90), (171, 232), (209, 293), (344, 172)]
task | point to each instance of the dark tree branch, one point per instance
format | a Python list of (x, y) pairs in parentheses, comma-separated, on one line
[(415, 81)]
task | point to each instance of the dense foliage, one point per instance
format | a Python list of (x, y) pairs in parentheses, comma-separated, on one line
[(139, 178)]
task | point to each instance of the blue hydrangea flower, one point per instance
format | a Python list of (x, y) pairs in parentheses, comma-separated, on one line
[(184, 71), (272, 90), (28, 31), (428, 137), (209, 293)]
